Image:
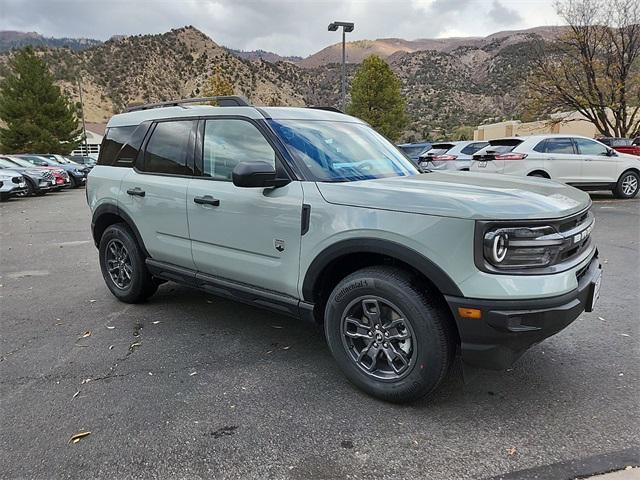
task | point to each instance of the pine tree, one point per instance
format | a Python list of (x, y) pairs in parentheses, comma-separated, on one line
[(38, 117), (376, 97)]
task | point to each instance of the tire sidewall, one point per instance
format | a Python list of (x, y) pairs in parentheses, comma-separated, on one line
[(619, 192), (139, 275), (426, 372)]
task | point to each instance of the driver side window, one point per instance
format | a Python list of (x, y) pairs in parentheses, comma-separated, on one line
[(228, 142), (589, 147)]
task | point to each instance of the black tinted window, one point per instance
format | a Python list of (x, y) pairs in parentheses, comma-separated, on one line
[(558, 145), (112, 142), (129, 152), (473, 147), (168, 148)]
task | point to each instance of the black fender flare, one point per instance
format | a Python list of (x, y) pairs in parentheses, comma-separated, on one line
[(407, 255), (110, 208)]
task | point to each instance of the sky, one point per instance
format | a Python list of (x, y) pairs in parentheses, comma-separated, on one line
[(286, 27)]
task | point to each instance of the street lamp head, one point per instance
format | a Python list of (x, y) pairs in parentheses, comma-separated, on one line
[(347, 26)]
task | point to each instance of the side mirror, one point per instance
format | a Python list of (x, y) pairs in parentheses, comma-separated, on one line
[(611, 152), (256, 174)]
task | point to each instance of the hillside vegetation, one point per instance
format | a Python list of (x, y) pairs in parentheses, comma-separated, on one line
[(446, 82)]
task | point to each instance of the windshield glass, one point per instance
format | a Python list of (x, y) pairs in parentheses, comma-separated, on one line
[(342, 151), (6, 164)]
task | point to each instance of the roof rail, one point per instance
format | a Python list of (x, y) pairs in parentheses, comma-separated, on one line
[(222, 101), (328, 109)]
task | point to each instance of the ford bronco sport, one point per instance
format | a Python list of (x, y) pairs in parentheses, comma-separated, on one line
[(311, 213)]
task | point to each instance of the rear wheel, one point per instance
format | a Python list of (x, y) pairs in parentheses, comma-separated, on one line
[(391, 338), (628, 185), (123, 267), (30, 189)]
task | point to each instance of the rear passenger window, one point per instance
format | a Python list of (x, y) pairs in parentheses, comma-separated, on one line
[(129, 152), (558, 145), (228, 142), (168, 149), (112, 142)]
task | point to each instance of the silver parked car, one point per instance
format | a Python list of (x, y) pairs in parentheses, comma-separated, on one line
[(451, 155)]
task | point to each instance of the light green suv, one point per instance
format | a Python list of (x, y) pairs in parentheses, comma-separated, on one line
[(311, 213)]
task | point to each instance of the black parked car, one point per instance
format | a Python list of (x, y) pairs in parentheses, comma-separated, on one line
[(77, 173), (38, 180)]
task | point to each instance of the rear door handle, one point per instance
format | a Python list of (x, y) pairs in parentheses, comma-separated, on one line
[(138, 192), (206, 200)]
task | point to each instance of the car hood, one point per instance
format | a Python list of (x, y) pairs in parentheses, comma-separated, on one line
[(461, 194)]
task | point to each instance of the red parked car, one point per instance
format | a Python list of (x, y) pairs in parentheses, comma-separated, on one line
[(623, 145)]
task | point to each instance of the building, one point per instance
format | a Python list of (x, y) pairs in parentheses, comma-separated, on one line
[(569, 123), (95, 133)]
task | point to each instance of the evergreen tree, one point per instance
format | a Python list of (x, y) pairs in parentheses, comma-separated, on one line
[(376, 97), (38, 117)]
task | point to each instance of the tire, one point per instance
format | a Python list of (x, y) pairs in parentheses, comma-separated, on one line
[(30, 189), (140, 285), (628, 185), (74, 183), (538, 175), (427, 354)]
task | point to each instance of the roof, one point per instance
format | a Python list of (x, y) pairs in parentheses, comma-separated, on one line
[(539, 136), (257, 113)]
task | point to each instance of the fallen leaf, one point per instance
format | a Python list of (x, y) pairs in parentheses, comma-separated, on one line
[(110, 327), (150, 373), (602, 319), (134, 345), (286, 348), (270, 351), (511, 451), (625, 335), (86, 380), (91, 301), (156, 322), (76, 437), (75, 394), (85, 334), (193, 373)]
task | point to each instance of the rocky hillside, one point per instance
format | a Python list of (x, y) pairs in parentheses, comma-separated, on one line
[(10, 39), (446, 82)]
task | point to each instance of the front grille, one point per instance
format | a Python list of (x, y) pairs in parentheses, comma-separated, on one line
[(577, 235)]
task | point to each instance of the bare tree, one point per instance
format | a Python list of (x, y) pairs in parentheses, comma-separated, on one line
[(594, 68)]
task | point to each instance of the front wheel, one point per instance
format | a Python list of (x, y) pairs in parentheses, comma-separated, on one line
[(391, 338), (74, 182), (628, 184), (123, 266)]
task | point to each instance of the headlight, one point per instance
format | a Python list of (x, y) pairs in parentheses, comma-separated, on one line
[(522, 247)]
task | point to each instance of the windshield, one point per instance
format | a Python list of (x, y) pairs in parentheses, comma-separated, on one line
[(341, 151), (6, 164), (412, 151)]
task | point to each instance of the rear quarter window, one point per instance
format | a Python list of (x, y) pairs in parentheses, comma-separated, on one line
[(115, 138)]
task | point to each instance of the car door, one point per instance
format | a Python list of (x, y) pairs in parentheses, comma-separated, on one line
[(248, 235), (600, 162), (154, 194), (561, 160)]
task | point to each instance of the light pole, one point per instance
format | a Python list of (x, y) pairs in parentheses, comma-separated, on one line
[(346, 27), (84, 127)]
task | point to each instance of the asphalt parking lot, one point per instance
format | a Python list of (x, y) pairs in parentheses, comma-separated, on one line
[(191, 386)]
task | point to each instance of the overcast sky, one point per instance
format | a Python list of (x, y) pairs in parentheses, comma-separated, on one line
[(287, 27)]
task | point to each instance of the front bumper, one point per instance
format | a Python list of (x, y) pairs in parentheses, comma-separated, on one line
[(507, 328)]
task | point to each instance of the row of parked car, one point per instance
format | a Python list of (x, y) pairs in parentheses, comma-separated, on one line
[(27, 175), (603, 164)]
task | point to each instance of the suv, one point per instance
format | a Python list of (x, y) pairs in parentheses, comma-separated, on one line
[(311, 213), (450, 155), (579, 161)]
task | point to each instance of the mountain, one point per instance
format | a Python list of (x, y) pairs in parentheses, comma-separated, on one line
[(357, 50), (257, 55), (11, 39), (446, 82)]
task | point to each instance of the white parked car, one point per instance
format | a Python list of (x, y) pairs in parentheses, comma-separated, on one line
[(578, 161), (451, 155)]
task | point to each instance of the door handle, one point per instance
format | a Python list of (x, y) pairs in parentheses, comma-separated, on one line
[(206, 200), (138, 192)]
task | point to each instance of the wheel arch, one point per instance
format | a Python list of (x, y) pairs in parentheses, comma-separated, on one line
[(342, 258), (108, 214), (539, 171)]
